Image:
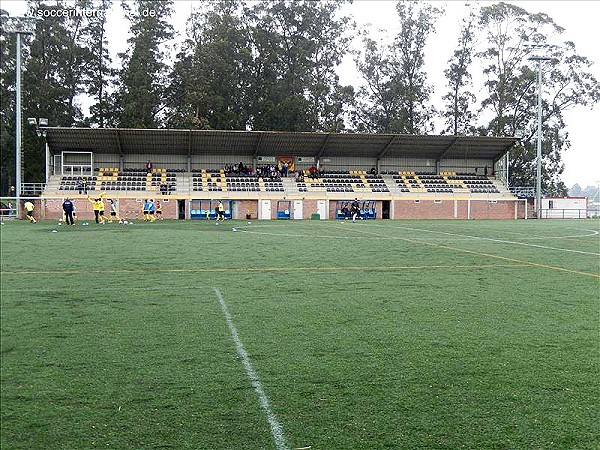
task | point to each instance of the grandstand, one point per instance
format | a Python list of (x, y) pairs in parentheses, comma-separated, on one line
[(400, 176)]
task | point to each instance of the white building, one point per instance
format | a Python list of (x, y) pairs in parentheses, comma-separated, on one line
[(564, 208)]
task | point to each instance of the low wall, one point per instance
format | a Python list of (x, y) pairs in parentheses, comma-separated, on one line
[(130, 208)]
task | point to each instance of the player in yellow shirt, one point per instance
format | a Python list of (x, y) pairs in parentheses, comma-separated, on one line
[(220, 211), (98, 207), (29, 211)]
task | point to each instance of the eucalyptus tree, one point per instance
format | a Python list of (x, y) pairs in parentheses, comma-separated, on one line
[(141, 86), (53, 62), (99, 75), (514, 35), (459, 111), (396, 96), (210, 81), (297, 46)]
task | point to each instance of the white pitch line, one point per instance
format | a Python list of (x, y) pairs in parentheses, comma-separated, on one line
[(503, 241), (276, 428)]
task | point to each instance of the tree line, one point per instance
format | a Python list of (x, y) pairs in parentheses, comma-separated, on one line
[(271, 65)]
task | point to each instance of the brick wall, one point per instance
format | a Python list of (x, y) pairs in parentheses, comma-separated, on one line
[(424, 209), (428, 209), (309, 207), (246, 207), (129, 209), (499, 210)]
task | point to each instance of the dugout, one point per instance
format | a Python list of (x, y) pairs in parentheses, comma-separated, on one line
[(207, 209), (368, 209), (284, 209)]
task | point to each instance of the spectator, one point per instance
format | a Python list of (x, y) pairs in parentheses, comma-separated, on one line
[(163, 189), (284, 169), (149, 166), (80, 185), (29, 211), (68, 210)]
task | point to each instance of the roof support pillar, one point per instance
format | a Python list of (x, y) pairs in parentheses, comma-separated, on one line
[(322, 149), (119, 145)]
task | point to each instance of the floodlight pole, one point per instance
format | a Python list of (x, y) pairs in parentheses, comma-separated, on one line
[(18, 132), (18, 26), (538, 187)]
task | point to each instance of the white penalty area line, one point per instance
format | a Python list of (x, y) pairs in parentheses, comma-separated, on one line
[(276, 428), (504, 241), (487, 255)]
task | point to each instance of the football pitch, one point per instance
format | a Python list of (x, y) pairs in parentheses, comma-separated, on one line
[(301, 335)]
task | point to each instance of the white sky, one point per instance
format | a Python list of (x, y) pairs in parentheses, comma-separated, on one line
[(579, 18)]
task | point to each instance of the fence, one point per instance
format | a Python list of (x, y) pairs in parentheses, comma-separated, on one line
[(32, 189), (557, 213)]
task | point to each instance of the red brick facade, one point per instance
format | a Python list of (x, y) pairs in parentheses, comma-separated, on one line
[(130, 208)]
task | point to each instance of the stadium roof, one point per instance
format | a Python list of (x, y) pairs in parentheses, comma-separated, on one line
[(274, 143)]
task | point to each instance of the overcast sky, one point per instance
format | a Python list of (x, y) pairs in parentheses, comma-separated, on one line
[(579, 18)]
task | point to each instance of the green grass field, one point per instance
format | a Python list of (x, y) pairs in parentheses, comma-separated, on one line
[(304, 334)]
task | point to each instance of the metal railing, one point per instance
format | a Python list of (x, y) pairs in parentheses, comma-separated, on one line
[(522, 191), (31, 189), (564, 213), (8, 208)]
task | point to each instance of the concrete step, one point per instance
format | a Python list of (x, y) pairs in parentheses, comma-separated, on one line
[(289, 185)]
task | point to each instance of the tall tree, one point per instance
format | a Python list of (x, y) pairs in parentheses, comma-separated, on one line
[(53, 63), (514, 35), (396, 96), (98, 74), (210, 80), (298, 45), (140, 96), (458, 115)]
